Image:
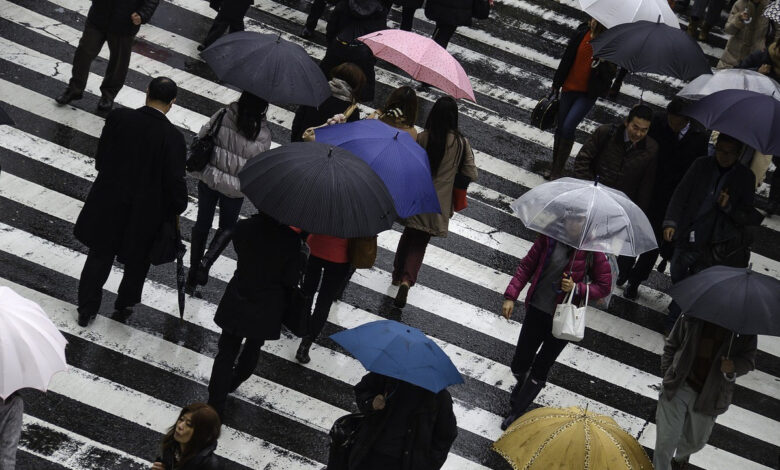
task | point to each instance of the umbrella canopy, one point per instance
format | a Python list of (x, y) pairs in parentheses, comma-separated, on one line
[(394, 156), (31, 347), (319, 188), (548, 438), (730, 79), (400, 351), (586, 215), (422, 58), (268, 66), (651, 47), (738, 299), (5, 119), (773, 11), (751, 117), (611, 13)]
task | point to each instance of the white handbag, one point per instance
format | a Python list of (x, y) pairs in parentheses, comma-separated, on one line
[(569, 320)]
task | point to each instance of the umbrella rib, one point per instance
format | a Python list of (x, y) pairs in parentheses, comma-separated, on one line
[(547, 442)]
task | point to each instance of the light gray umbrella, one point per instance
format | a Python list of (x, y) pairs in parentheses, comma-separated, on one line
[(730, 79)]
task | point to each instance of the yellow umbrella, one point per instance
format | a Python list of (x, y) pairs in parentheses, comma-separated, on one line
[(569, 438)]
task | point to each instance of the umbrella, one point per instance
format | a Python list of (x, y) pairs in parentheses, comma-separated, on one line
[(730, 79), (396, 350), (773, 11), (422, 58), (611, 13), (394, 156), (738, 299), (5, 119), (548, 438), (181, 278), (748, 116), (31, 347), (268, 66), (319, 188), (651, 47), (586, 215)]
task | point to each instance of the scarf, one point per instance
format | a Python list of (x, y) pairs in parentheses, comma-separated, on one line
[(340, 89)]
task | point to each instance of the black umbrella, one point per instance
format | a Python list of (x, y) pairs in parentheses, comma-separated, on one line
[(644, 46), (737, 299), (319, 188), (5, 119), (268, 66), (751, 117), (181, 278)]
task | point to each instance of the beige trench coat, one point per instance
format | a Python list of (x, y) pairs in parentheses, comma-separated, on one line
[(745, 38)]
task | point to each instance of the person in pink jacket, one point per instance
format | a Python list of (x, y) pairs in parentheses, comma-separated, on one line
[(553, 270)]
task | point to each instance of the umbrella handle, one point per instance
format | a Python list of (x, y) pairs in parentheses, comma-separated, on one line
[(728, 354)]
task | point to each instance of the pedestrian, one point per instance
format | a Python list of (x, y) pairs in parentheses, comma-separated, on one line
[(139, 187), (230, 17), (452, 162), (406, 427), (700, 364), (448, 15), (400, 110), (765, 61), (11, 411), (773, 204), (251, 309), (701, 23), (190, 443), (680, 142), (346, 85), (408, 7), (553, 269), (115, 23), (243, 133), (748, 29), (580, 80), (316, 11)]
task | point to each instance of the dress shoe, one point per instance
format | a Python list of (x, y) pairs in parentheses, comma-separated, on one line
[(631, 291), (306, 33), (400, 297), (85, 318), (67, 96), (302, 355), (679, 465), (105, 103)]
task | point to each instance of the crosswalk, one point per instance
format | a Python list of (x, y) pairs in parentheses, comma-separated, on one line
[(129, 377)]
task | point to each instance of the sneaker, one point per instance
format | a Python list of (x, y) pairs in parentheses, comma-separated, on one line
[(67, 96), (400, 297)]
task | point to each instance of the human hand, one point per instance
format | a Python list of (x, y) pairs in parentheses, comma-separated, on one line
[(136, 19), (158, 466), (723, 199), (507, 307), (744, 16), (668, 234), (336, 119), (727, 366), (379, 402), (765, 69), (567, 285)]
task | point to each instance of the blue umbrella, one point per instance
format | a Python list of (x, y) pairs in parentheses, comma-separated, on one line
[(394, 155), (402, 352)]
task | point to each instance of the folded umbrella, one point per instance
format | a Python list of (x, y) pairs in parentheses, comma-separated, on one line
[(395, 156), (730, 79), (400, 351), (269, 67), (319, 188), (611, 13)]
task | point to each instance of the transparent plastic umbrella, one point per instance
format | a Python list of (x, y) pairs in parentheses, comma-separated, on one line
[(586, 215), (614, 12), (730, 79)]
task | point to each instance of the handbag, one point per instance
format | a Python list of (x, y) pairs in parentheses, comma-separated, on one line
[(461, 184), (342, 437), (199, 153), (480, 9), (569, 320), (545, 113), (297, 315), (166, 242), (362, 252), (308, 134)]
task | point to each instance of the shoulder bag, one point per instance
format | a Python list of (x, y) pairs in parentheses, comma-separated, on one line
[(545, 113), (569, 320), (461, 184), (201, 148)]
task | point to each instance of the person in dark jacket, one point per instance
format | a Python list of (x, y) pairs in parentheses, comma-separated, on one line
[(230, 18), (317, 9), (254, 301), (406, 427), (140, 185), (115, 22), (448, 15), (580, 80), (705, 21), (680, 142), (190, 443), (766, 61), (407, 12)]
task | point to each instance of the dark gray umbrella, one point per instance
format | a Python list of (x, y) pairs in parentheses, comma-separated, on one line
[(5, 119), (753, 118), (319, 188), (644, 46), (268, 66), (737, 299)]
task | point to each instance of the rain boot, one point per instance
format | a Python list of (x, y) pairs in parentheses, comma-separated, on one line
[(560, 157), (218, 244), (693, 28), (525, 397), (302, 355), (197, 248), (556, 143)]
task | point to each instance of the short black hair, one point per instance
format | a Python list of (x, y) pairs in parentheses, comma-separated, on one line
[(675, 106), (640, 111), (725, 138), (162, 89)]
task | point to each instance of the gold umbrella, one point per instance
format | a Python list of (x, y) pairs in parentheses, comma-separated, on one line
[(569, 438)]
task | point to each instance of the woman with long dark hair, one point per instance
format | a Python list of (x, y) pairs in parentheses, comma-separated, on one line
[(451, 158), (189, 444), (243, 133)]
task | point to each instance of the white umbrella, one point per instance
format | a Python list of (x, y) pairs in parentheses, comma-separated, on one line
[(730, 79), (614, 12), (31, 347), (586, 215)]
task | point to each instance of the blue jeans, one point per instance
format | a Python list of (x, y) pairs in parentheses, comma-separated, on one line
[(229, 209), (574, 106)]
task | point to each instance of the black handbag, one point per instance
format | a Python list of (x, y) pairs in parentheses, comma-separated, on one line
[(199, 153), (480, 9), (545, 113), (296, 314), (342, 436), (166, 242)]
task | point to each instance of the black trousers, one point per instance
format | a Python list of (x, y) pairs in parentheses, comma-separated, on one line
[(332, 276), (407, 18), (92, 40), (230, 17), (317, 9), (95, 274), (443, 33), (536, 331), (227, 374)]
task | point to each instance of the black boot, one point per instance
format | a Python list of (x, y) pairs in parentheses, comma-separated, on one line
[(218, 244), (302, 355), (197, 248), (525, 396), (521, 379), (560, 157), (556, 143)]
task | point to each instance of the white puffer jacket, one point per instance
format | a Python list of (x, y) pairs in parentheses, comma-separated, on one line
[(231, 152)]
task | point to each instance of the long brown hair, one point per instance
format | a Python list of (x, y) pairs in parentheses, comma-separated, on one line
[(400, 107), (205, 430)]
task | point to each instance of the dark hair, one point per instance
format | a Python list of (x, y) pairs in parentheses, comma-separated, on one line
[(403, 99), (640, 111), (600, 28), (353, 75), (205, 430), (442, 120), (162, 89), (675, 106), (251, 113), (725, 138)]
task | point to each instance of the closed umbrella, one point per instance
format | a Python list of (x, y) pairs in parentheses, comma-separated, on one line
[(319, 188), (611, 13), (730, 79)]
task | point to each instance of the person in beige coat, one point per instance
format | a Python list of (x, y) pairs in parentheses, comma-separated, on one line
[(747, 27), (450, 156)]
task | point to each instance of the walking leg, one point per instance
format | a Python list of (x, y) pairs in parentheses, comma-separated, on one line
[(94, 275), (222, 370)]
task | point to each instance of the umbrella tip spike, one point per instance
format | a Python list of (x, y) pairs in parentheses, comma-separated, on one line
[(396, 135), (659, 19), (330, 152)]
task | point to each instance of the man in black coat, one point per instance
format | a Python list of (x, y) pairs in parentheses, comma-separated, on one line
[(448, 15), (230, 18), (139, 185), (116, 22)]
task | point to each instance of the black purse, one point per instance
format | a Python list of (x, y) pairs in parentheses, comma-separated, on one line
[(296, 315), (480, 9), (545, 113), (342, 437), (199, 153)]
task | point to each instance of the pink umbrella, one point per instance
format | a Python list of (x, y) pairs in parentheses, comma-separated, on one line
[(421, 58)]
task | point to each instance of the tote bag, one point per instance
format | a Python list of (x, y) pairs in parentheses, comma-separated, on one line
[(569, 320)]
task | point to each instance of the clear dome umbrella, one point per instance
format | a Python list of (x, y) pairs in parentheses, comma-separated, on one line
[(586, 215)]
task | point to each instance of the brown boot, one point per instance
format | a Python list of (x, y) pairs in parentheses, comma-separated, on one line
[(704, 34), (560, 157), (556, 143), (693, 28)]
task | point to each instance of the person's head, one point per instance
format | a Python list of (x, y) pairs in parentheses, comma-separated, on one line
[(727, 150), (400, 109), (638, 122), (161, 93), (674, 116), (352, 74), (596, 28), (251, 113), (442, 120), (196, 428)]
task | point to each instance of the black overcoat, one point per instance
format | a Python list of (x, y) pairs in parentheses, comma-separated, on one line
[(113, 16), (450, 12), (203, 460), (140, 183)]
